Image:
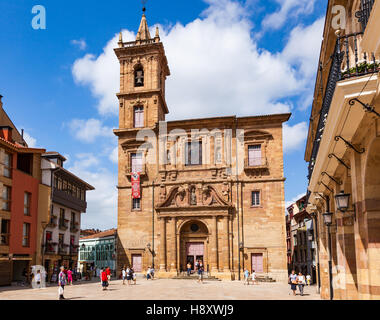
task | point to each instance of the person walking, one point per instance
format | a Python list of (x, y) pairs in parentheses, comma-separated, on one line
[(200, 273), (246, 277), (104, 279), (148, 276), (123, 275), (254, 278), (308, 279), (70, 277), (134, 277), (129, 276), (188, 269), (301, 282), (108, 271), (61, 283), (293, 282)]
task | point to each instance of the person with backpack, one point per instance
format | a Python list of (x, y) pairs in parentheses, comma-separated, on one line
[(61, 283)]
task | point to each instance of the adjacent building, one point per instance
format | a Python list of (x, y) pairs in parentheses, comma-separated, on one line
[(301, 240), (343, 151), (217, 196), (40, 207), (68, 202), (98, 251)]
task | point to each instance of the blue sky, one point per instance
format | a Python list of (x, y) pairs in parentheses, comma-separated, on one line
[(253, 57)]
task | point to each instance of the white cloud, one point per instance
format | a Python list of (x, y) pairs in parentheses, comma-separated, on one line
[(114, 155), (216, 67), (89, 130), (102, 202), (81, 44), (289, 203), (32, 142), (294, 136), (289, 9)]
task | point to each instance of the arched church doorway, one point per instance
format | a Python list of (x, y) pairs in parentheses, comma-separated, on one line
[(194, 244)]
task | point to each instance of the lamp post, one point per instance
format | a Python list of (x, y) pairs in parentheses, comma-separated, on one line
[(342, 201), (327, 219)]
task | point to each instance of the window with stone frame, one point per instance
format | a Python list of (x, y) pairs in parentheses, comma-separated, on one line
[(136, 162), (193, 155), (254, 155), (138, 117), (136, 204), (256, 199)]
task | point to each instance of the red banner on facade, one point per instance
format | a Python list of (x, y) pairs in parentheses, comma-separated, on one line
[(135, 178)]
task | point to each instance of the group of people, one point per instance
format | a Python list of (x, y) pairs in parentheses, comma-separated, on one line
[(128, 274), (299, 281), (250, 277)]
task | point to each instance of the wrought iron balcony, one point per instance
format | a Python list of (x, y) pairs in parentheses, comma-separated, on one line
[(347, 62), (74, 227), (364, 13), (63, 224), (50, 247), (53, 221)]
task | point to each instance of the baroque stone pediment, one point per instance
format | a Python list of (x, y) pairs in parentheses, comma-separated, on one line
[(193, 197), (257, 134)]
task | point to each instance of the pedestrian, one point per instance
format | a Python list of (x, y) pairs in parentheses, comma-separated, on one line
[(293, 282), (129, 276), (70, 277), (200, 273), (108, 271), (253, 277), (152, 273), (104, 279), (134, 277), (197, 265), (188, 269), (308, 280), (246, 277), (123, 275), (61, 283), (148, 275), (301, 282), (37, 279)]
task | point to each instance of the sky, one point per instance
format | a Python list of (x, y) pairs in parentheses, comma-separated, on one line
[(227, 57)]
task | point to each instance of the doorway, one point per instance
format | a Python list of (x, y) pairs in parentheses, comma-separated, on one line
[(195, 252), (137, 262), (258, 262)]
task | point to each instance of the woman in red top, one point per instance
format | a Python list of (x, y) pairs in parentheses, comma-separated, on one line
[(108, 271), (103, 276)]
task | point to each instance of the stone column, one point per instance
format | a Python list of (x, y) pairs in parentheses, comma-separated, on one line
[(214, 246), (162, 249), (173, 245), (226, 246)]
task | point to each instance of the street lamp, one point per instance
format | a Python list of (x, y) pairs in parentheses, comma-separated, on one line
[(327, 218), (342, 201)]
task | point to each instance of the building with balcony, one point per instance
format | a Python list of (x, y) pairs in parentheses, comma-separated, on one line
[(302, 249), (343, 152), (216, 197), (68, 202)]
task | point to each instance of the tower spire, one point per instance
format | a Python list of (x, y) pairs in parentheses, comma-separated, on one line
[(143, 33)]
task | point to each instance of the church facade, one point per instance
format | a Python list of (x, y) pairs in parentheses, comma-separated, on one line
[(209, 190)]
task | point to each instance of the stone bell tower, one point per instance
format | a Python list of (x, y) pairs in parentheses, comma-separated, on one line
[(143, 72)]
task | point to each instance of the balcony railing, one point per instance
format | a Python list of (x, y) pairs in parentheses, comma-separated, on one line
[(74, 227), (53, 221), (364, 13), (63, 224), (62, 248), (50, 247), (4, 239), (347, 62)]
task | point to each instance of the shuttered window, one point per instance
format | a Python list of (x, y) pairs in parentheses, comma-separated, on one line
[(136, 162), (139, 117), (254, 156)]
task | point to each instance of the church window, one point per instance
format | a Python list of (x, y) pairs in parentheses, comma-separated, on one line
[(136, 204), (136, 162), (194, 153), (139, 117), (139, 77)]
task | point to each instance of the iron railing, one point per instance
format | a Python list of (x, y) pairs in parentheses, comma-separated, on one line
[(347, 62), (364, 13)]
